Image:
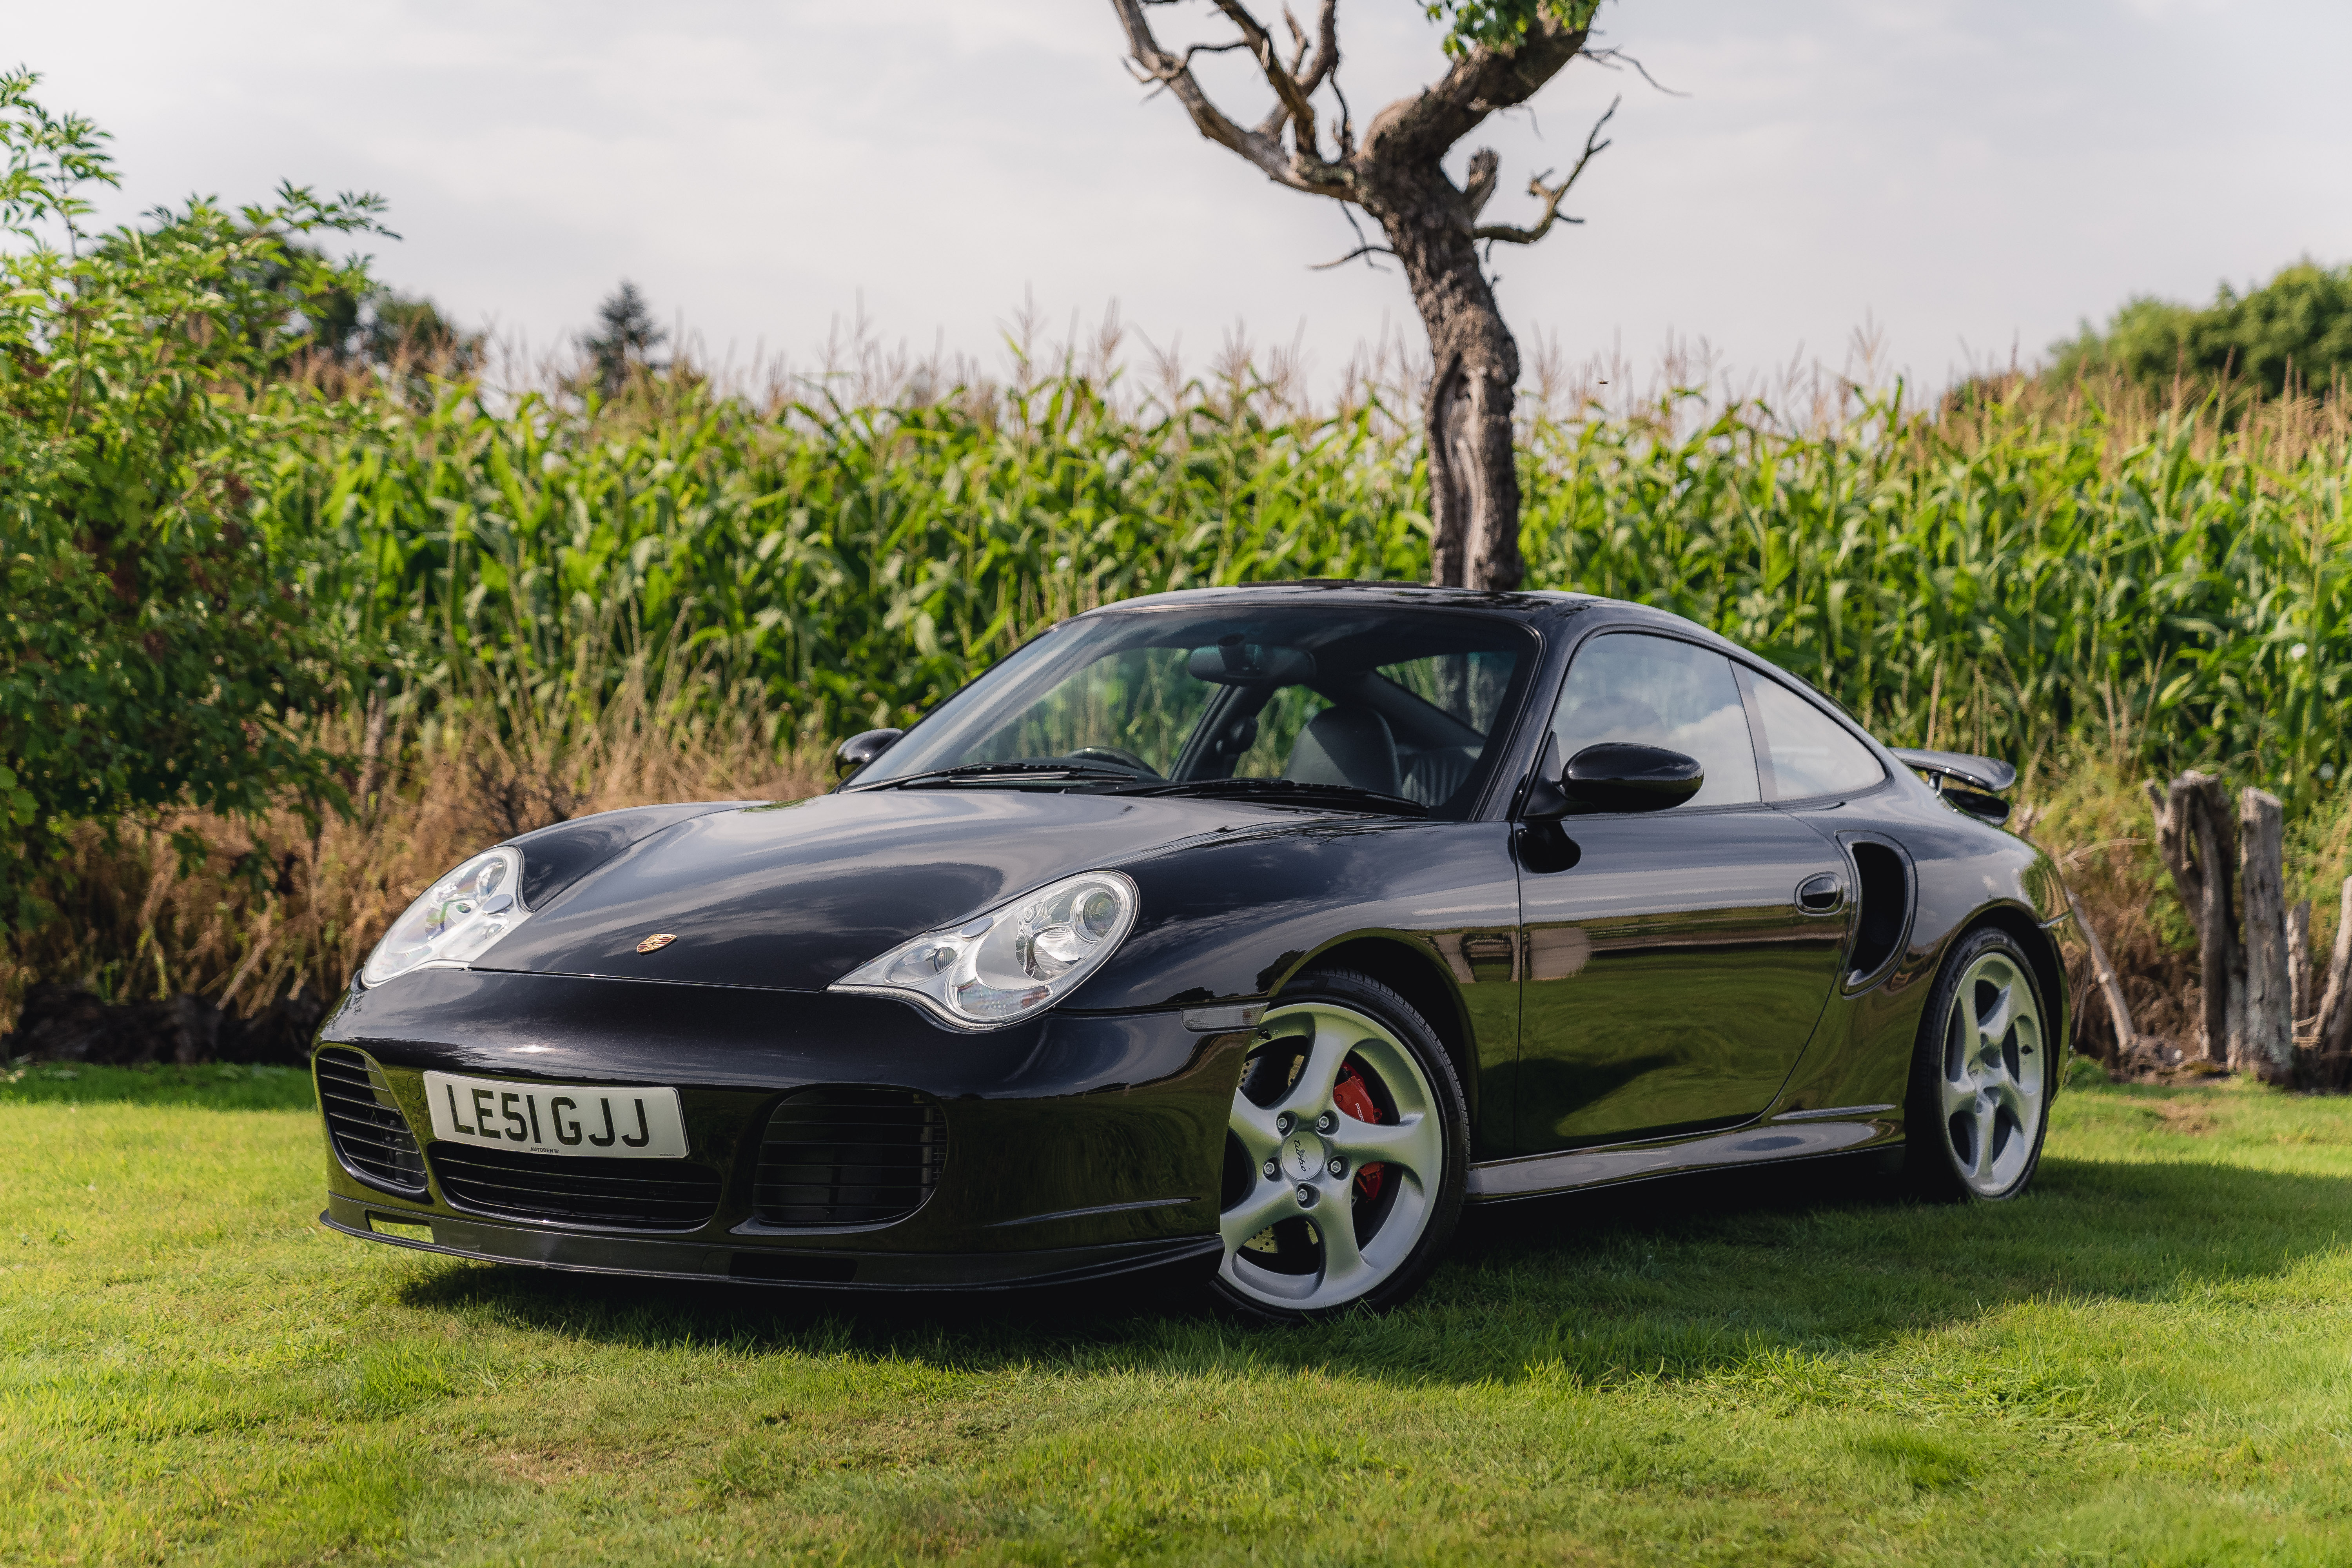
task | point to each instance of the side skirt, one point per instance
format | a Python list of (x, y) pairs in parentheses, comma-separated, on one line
[(1796, 1136)]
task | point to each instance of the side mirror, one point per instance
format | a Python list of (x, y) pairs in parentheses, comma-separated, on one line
[(859, 750), (1619, 776)]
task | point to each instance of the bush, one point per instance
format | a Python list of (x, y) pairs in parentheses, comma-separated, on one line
[(156, 649), (2294, 331)]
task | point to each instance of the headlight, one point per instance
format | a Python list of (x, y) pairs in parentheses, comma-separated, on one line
[(457, 919), (1014, 960)]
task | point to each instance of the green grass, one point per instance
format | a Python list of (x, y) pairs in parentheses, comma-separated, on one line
[(217, 1085), (2147, 1361)]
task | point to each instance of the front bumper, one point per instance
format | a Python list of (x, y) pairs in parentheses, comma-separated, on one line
[(588, 1253), (1077, 1145)]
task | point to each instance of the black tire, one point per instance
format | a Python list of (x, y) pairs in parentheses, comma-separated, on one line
[(1973, 1088), (1426, 1094)]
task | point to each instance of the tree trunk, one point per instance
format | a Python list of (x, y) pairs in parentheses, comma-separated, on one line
[(2268, 1048), (1474, 480), (1397, 174)]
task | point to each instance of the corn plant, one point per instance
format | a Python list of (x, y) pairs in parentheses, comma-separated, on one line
[(2026, 577)]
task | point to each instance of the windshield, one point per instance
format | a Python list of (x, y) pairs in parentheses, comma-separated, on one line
[(1395, 702)]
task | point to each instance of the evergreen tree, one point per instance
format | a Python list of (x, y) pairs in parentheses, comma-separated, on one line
[(627, 340)]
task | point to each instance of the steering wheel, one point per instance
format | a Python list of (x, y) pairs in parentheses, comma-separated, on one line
[(1113, 754)]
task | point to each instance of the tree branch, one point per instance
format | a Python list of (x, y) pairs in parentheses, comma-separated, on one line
[(1483, 164), (1292, 102), (1422, 128), (1306, 172), (1326, 61), (1359, 250), (1608, 59), (1206, 49), (1549, 194)]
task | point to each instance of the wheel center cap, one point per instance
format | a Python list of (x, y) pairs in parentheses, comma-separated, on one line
[(1302, 1155)]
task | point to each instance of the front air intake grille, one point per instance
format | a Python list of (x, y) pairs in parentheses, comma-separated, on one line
[(370, 1134), (613, 1194), (849, 1156)]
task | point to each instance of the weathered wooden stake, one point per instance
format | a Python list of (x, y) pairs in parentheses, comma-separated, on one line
[(2298, 961), (2195, 836), (2336, 1000), (2267, 1045), (2118, 1008)]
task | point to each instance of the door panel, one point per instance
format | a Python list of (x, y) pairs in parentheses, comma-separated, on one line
[(1672, 980)]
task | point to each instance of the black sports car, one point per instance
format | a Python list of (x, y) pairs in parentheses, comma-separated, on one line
[(1256, 928)]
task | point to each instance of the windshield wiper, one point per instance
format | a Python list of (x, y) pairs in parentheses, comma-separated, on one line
[(1011, 772), (1346, 797)]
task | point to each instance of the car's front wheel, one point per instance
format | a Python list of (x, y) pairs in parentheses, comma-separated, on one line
[(1981, 1076), (1346, 1155)]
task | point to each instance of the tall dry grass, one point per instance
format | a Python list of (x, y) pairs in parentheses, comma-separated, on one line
[(279, 905)]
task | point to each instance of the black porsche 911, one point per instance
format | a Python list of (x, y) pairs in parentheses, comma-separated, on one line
[(1251, 930)]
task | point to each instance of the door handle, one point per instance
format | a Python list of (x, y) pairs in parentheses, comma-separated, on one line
[(1821, 895)]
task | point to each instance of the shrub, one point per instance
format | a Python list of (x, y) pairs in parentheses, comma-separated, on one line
[(2294, 331), (156, 649)]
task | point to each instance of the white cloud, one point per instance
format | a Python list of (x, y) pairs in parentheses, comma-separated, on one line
[(1978, 174)]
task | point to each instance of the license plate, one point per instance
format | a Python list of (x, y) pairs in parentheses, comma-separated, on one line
[(557, 1117)]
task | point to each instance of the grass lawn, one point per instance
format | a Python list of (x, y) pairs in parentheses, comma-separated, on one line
[(2149, 1360)]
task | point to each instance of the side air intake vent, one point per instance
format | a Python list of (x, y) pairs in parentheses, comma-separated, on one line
[(1885, 908), (363, 1121), (610, 1195), (849, 1156)]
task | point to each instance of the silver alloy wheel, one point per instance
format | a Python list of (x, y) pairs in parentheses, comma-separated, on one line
[(1995, 1082), (1318, 1152)]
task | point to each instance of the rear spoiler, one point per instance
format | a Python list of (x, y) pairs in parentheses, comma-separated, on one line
[(1982, 780)]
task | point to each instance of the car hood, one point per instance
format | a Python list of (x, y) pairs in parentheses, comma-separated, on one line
[(795, 896)]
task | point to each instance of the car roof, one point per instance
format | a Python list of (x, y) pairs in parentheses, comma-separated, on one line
[(1538, 604), (1534, 606)]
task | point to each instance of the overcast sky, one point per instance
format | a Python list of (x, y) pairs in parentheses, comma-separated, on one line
[(1970, 176)]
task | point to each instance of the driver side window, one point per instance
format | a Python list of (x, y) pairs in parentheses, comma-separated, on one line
[(1657, 691)]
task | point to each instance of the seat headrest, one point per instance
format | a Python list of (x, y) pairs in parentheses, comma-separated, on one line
[(1347, 746)]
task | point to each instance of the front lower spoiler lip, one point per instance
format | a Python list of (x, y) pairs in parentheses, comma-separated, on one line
[(875, 1272)]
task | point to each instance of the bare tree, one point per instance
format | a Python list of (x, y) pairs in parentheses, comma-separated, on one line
[(1504, 51)]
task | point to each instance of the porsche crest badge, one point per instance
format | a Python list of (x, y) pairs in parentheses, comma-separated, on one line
[(655, 942)]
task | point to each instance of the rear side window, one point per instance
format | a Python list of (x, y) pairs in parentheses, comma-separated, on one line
[(1655, 691), (1800, 750)]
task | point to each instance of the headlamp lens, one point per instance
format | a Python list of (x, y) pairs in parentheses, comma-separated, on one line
[(1013, 960), (456, 919)]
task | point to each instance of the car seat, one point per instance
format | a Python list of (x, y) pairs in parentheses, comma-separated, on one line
[(1347, 746)]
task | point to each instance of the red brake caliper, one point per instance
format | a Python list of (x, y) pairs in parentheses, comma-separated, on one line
[(1354, 1098)]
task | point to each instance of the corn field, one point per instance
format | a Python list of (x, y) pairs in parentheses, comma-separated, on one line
[(2028, 575)]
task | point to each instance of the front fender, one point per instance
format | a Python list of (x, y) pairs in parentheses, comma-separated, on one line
[(1231, 920)]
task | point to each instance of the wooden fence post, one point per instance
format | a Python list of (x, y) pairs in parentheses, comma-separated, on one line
[(2298, 962), (2335, 1042), (2267, 1045), (2196, 835)]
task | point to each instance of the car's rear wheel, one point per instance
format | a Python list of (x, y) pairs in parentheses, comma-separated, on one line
[(1346, 1155), (1981, 1076)]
